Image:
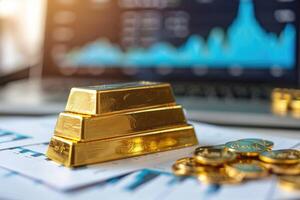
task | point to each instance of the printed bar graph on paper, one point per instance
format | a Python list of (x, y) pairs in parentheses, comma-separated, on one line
[(9, 136), (142, 178), (245, 43)]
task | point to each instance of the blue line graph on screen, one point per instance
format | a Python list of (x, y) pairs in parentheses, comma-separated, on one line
[(245, 44)]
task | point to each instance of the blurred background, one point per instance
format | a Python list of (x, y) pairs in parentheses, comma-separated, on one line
[(21, 33), (251, 38), (221, 56)]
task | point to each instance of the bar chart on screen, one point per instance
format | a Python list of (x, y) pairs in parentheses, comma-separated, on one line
[(224, 46)]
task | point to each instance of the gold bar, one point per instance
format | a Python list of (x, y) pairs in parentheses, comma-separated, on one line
[(97, 100), (86, 127), (72, 153)]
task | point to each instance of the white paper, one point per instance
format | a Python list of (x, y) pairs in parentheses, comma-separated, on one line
[(161, 187), (25, 131), (31, 162)]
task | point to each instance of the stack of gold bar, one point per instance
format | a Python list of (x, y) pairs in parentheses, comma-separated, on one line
[(242, 160), (285, 101), (109, 122)]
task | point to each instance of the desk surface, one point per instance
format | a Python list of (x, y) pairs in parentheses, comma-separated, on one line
[(40, 173), (293, 134)]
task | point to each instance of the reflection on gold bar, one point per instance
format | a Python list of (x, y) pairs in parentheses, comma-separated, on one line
[(87, 127), (96, 100), (72, 153)]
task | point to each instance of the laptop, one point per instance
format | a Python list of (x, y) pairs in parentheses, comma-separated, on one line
[(223, 58)]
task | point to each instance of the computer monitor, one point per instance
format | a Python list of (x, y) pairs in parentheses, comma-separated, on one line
[(189, 40)]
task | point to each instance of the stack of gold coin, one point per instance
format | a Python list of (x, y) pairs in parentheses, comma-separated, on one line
[(285, 161), (285, 101), (109, 122), (244, 159), (295, 104), (290, 182), (186, 166), (281, 99)]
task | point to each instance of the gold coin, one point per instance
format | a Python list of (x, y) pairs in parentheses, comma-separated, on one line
[(213, 157), (279, 112), (267, 143), (280, 106), (218, 176), (180, 171), (290, 182), (283, 169), (219, 146), (280, 100), (281, 93), (186, 167), (284, 156), (295, 114), (245, 148), (295, 104), (246, 169)]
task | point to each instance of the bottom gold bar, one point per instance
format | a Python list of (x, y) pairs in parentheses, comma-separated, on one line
[(73, 153)]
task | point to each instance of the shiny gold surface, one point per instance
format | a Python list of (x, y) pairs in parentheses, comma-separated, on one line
[(213, 157), (103, 99), (248, 169), (212, 166), (87, 127), (245, 148), (290, 183), (73, 153), (187, 167), (281, 93), (281, 99), (282, 156), (285, 102), (283, 169), (295, 103), (108, 122), (218, 176), (201, 148), (267, 143)]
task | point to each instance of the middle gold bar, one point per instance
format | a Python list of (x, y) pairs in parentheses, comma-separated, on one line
[(86, 127)]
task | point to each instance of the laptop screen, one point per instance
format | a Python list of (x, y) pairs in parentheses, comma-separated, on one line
[(250, 40)]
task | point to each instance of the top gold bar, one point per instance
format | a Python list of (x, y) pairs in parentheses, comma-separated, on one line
[(104, 99)]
